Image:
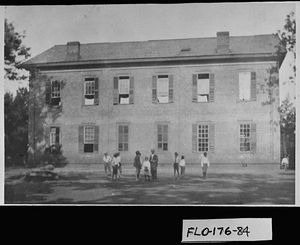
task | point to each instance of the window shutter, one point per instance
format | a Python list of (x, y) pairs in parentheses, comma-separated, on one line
[(57, 134), (211, 137), (96, 138), (96, 100), (80, 139), (154, 89), (253, 138), (116, 91), (253, 86), (48, 93), (171, 89), (194, 88), (194, 137), (211, 87), (131, 88), (47, 135)]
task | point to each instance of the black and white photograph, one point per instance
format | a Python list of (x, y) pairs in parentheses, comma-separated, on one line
[(150, 104)]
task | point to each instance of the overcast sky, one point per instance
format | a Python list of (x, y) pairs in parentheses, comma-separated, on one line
[(47, 26)]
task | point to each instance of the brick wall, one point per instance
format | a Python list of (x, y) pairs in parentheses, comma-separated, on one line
[(225, 113)]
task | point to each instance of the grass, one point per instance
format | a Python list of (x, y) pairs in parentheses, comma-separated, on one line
[(226, 184)]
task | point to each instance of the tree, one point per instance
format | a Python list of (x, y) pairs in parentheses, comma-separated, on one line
[(287, 110), (14, 52), (16, 125), (288, 39)]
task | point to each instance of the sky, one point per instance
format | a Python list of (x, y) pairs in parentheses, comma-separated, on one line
[(47, 26)]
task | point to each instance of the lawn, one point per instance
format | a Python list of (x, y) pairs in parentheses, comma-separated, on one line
[(226, 184)]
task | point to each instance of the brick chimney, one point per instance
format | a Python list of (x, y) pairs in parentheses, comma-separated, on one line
[(73, 51), (223, 42)]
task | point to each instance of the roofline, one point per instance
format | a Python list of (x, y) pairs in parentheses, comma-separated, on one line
[(155, 59)]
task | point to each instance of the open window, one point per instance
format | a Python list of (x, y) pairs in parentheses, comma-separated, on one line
[(91, 91), (123, 90), (203, 88), (162, 89)]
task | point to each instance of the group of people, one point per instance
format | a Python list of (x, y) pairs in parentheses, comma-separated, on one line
[(149, 166)]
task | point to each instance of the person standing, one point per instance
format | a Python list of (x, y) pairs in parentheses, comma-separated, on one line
[(137, 164), (119, 164), (204, 164), (146, 168), (107, 163), (182, 166), (115, 166), (153, 159), (285, 163), (176, 165)]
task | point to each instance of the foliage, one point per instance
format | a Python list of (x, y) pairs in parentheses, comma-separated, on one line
[(14, 52), (16, 125), (288, 39)]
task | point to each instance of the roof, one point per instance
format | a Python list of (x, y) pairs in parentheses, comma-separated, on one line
[(192, 47)]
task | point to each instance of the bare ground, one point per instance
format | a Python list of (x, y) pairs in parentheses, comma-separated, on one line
[(256, 184)]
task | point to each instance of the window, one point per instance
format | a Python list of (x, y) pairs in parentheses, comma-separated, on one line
[(90, 91), (203, 137), (162, 89), (245, 136), (123, 137), (55, 93), (123, 90), (247, 86), (162, 137), (88, 139), (54, 139), (244, 85), (203, 88)]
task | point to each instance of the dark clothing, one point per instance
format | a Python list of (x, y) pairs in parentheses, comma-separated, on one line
[(137, 162), (153, 163)]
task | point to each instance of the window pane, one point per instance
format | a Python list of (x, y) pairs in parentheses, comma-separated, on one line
[(165, 137), (159, 128), (88, 148), (165, 128), (165, 146), (126, 129), (159, 145), (123, 86), (120, 147), (120, 129), (159, 137), (125, 138), (120, 138), (125, 147)]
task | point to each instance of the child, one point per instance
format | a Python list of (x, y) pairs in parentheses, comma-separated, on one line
[(115, 166), (204, 164), (146, 169), (107, 162), (176, 165), (182, 166)]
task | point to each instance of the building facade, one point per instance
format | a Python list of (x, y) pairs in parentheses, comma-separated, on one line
[(187, 95)]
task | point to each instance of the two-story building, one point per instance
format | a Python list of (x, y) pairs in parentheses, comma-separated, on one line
[(186, 95)]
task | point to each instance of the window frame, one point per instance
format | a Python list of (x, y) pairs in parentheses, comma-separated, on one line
[(157, 88), (203, 138), (198, 82), (245, 140), (239, 87), (127, 79), (162, 133), (123, 135), (89, 80)]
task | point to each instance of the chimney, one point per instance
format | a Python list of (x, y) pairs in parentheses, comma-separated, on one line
[(73, 51), (223, 42)]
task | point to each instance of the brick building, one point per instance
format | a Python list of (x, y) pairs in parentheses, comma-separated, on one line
[(185, 95)]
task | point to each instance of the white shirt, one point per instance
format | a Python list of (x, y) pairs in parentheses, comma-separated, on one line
[(182, 162), (146, 164), (285, 161), (115, 161), (204, 160), (107, 159)]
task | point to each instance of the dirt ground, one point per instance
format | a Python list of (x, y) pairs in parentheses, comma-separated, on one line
[(230, 184)]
